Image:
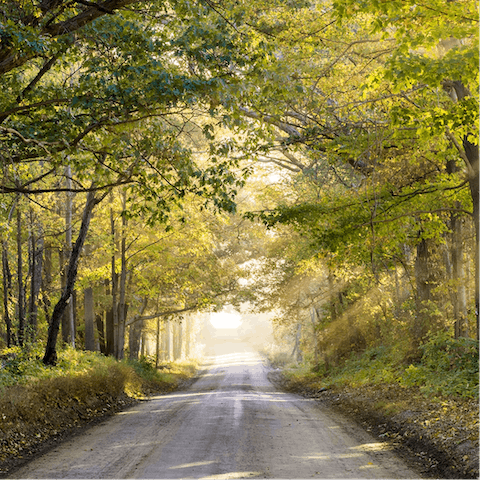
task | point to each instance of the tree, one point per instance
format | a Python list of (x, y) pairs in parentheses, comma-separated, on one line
[(376, 102), (105, 91)]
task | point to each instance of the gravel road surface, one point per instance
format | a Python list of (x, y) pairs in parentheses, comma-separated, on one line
[(231, 423)]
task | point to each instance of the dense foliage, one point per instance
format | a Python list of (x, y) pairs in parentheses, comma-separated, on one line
[(130, 130)]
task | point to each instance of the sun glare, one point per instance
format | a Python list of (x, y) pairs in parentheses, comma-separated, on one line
[(225, 320)]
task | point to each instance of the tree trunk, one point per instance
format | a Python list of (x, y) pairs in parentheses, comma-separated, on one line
[(168, 340), (164, 344), (122, 308), (474, 180), (135, 333), (101, 333), (21, 291), (89, 319), (297, 352), (62, 260), (47, 280), (158, 340), (457, 91), (114, 311), (7, 294), (69, 311), (36, 247), (109, 333), (458, 277), (134, 339), (109, 340), (313, 317), (50, 357), (424, 285)]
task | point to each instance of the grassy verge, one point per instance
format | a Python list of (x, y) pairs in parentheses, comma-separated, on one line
[(447, 368), (38, 403)]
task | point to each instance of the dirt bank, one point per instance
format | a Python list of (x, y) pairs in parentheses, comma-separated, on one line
[(441, 434)]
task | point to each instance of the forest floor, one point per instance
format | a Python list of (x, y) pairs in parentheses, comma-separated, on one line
[(440, 435)]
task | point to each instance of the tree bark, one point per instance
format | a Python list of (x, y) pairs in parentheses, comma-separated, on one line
[(101, 333), (470, 156), (297, 352), (69, 311), (135, 333), (158, 344), (50, 357), (114, 311), (134, 340), (7, 294), (21, 291), (314, 317), (89, 319), (122, 308), (458, 277), (168, 340), (37, 248), (424, 285)]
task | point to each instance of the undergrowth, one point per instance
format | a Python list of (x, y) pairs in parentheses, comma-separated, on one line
[(448, 367), (38, 402)]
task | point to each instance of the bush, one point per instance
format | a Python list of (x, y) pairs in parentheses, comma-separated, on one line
[(448, 366)]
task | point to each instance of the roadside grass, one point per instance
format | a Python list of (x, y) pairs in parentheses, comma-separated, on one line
[(39, 402), (448, 367)]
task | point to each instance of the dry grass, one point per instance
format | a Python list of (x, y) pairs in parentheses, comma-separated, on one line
[(81, 388)]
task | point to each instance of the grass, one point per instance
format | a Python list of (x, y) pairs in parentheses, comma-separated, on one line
[(448, 367), (39, 402)]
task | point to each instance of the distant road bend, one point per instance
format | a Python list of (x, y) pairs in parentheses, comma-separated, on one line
[(231, 423)]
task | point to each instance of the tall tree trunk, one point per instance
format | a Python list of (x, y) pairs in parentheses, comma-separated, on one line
[(109, 331), (158, 345), (314, 317), (89, 319), (47, 280), (134, 339), (69, 311), (21, 290), (7, 282), (470, 154), (62, 260), (297, 351), (168, 338), (424, 285), (474, 180), (164, 340), (7, 294), (135, 334), (50, 357), (458, 276), (114, 311), (101, 333), (122, 308), (36, 259)]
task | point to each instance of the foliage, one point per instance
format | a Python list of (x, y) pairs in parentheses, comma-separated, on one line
[(449, 367)]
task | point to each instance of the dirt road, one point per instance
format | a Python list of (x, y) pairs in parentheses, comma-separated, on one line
[(231, 423)]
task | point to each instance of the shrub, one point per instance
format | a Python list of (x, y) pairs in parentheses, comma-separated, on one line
[(448, 366)]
